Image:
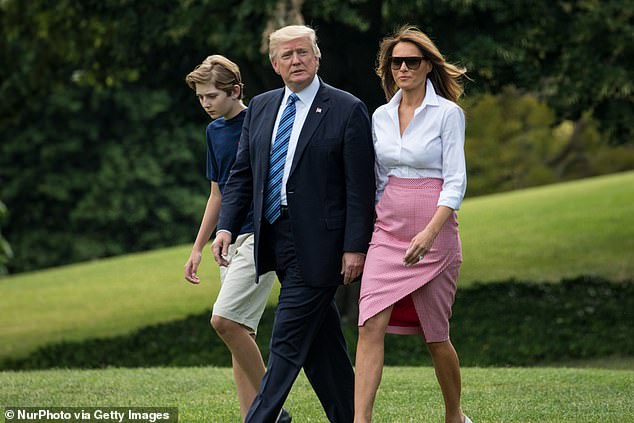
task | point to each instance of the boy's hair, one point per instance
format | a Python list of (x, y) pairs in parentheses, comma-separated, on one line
[(220, 71)]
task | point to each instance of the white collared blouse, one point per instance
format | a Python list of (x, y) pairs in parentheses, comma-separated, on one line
[(432, 145)]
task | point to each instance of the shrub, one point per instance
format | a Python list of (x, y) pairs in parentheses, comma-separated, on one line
[(496, 324)]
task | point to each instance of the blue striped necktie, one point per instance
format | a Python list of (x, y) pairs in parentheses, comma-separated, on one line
[(277, 161)]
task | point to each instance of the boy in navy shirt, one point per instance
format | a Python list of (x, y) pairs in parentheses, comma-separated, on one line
[(241, 302)]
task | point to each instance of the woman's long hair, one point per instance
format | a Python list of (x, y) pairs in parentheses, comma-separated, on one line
[(446, 77)]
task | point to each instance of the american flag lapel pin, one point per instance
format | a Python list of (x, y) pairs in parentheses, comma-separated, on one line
[(318, 110)]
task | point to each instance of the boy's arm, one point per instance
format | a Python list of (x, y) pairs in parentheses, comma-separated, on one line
[(207, 225)]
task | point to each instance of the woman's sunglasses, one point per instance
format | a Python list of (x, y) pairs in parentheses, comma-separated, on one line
[(412, 63)]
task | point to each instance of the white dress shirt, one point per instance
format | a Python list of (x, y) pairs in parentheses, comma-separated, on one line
[(432, 145), (302, 106)]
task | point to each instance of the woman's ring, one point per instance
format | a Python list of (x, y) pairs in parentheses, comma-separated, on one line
[(421, 257)]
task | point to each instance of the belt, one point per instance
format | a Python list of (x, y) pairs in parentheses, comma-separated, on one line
[(283, 210)]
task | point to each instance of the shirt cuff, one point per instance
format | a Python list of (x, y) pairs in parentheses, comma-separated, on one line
[(450, 199)]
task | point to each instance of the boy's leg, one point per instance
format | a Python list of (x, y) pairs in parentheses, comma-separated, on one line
[(241, 342), (236, 315)]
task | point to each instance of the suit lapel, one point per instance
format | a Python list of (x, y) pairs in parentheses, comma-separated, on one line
[(316, 114), (265, 131)]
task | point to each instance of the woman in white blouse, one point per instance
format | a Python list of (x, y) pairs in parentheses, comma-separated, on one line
[(410, 274)]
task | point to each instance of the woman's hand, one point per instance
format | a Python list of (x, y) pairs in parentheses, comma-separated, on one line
[(418, 247), (422, 242)]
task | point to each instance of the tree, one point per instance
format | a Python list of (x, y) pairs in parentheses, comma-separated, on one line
[(574, 54), (513, 142), (102, 149)]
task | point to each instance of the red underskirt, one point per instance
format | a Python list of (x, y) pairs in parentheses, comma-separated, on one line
[(404, 313)]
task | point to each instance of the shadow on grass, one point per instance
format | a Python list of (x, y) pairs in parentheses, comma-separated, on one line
[(497, 324)]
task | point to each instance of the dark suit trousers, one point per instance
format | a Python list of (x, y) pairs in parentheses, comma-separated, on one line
[(306, 333)]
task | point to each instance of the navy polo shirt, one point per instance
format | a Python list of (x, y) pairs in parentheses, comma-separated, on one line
[(223, 138)]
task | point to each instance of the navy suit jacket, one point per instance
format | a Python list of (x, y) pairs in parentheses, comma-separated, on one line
[(330, 189)]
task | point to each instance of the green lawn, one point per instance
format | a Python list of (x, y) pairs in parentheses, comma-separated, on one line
[(582, 227), (546, 233), (99, 299), (407, 394)]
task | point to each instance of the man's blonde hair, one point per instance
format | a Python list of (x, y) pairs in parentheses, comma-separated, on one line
[(220, 71), (292, 32)]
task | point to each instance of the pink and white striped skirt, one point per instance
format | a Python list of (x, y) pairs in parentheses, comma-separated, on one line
[(422, 294)]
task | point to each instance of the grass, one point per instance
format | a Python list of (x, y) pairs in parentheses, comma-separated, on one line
[(612, 363), (548, 233), (103, 298), (544, 234), (407, 394)]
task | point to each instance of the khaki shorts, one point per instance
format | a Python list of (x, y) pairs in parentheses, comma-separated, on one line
[(240, 299)]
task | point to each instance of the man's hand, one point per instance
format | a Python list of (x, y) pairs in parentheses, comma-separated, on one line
[(191, 267), (220, 248), (351, 266)]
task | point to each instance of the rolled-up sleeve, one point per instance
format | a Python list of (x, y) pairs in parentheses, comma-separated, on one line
[(454, 172)]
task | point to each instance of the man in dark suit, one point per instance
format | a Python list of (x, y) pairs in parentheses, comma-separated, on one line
[(306, 161)]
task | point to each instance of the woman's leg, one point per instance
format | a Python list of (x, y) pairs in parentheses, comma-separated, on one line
[(248, 366), (369, 364), (447, 369)]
